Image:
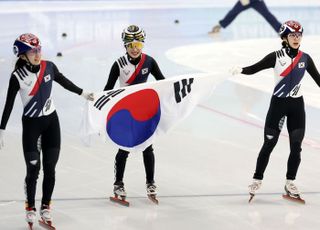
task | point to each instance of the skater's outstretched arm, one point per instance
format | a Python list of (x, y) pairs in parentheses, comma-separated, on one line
[(266, 63), (65, 82)]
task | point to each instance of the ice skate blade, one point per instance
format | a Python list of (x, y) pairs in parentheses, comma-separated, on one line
[(153, 198), (213, 34), (251, 197), (30, 226), (47, 225), (290, 198), (121, 201)]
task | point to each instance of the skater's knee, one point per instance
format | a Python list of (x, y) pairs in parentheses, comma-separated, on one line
[(271, 137), (32, 162), (50, 160), (296, 136)]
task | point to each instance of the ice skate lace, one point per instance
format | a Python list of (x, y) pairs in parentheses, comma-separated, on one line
[(31, 216), (254, 186), (292, 188), (120, 189), (151, 188), (45, 214)]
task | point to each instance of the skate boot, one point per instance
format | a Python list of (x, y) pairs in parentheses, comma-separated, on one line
[(119, 194), (46, 218), (215, 30), (30, 216), (256, 184), (152, 192), (292, 192), (45, 213), (151, 189), (119, 190)]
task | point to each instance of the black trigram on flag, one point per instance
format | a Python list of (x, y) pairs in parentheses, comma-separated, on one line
[(105, 98), (182, 88)]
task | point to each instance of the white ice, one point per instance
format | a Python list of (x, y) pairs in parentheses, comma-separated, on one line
[(204, 165)]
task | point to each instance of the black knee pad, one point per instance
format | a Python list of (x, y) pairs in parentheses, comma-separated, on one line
[(32, 159), (271, 136), (33, 164)]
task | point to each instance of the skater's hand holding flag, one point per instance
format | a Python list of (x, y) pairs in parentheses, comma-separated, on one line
[(132, 116)]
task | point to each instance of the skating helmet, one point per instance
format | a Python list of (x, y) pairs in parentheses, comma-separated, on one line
[(24, 43), (290, 27), (133, 33)]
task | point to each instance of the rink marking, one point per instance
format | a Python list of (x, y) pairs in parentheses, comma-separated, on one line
[(164, 196)]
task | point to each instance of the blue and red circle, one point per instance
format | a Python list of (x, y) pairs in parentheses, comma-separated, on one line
[(134, 119)]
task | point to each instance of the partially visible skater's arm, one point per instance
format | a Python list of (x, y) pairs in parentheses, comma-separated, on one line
[(266, 63), (11, 95), (113, 77), (155, 71), (312, 70)]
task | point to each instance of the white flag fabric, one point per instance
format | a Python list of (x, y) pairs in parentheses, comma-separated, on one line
[(131, 117)]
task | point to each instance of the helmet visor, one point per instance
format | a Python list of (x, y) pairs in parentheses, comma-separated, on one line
[(295, 35), (34, 51), (137, 45)]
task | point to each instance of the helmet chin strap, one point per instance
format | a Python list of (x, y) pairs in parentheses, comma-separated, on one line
[(32, 66)]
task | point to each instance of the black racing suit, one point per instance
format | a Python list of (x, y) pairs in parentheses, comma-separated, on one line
[(151, 66), (283, 105)]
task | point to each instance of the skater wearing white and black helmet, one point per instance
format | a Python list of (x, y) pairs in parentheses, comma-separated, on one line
[(287, 102), (133, 68), (32, 77)]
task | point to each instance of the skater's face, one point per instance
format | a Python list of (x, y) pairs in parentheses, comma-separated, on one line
[(134, 49), (294, 40), (34, 56)]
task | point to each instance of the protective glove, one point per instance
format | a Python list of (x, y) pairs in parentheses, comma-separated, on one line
[(87, 96), (1, 138), (235, 70)]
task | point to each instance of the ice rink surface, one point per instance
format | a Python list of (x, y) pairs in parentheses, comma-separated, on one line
[(204, 165)]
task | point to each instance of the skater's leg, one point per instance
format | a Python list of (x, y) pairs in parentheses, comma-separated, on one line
[(30, 134), (119, 167), (294, 160), (149, 162), (232, 14), (51, 141), (296, 130), (271, 137), (273, 125), (261, 8)]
